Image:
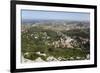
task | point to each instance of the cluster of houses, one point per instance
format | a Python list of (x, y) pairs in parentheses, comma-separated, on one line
[(63, 43)]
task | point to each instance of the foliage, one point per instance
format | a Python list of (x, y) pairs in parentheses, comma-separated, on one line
[(35, 39)]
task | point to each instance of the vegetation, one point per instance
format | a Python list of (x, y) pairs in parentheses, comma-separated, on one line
[(71, 44)]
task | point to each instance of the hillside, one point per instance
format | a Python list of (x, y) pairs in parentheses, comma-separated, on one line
[(62, 40)]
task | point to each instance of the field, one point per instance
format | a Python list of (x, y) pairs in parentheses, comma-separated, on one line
[(55, 41)]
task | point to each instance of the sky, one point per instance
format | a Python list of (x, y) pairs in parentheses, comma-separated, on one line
[(53, 15)]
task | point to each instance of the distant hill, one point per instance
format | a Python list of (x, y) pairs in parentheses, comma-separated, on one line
[(27, 21)]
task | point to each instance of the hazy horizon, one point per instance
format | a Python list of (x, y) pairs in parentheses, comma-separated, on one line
[(52, 15)]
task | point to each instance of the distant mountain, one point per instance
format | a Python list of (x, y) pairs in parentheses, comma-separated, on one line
[(30, 21), (57, 25)]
